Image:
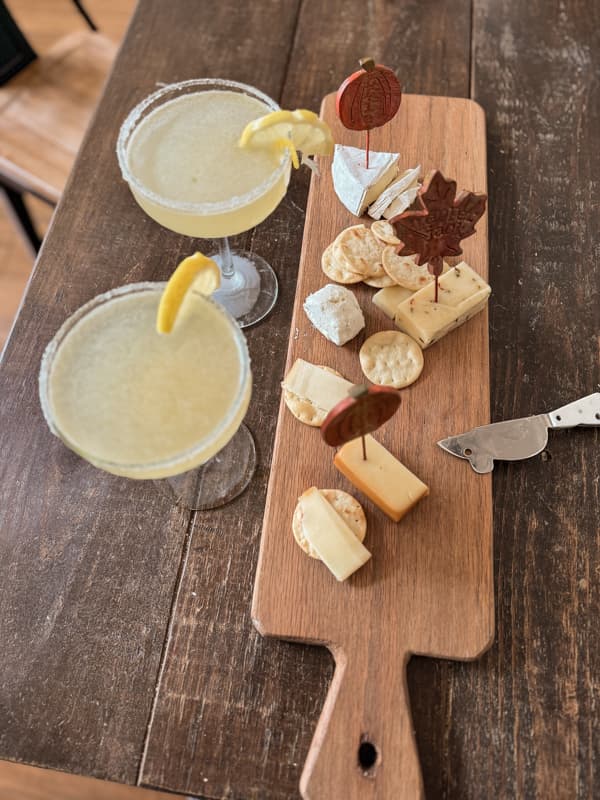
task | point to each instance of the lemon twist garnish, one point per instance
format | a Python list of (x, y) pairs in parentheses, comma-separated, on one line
[(198, 271), (293, 130)]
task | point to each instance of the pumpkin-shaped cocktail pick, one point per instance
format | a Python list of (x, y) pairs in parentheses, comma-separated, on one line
[(369, 98), (362, 412)]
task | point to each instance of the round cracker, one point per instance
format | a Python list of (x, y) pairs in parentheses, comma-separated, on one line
[(303, 409), (391, 358), (404, 271), (358, 250), (382, 282), (334, 269), (349, 509), (385, 232)]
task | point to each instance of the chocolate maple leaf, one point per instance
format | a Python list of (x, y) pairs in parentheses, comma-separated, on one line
[(443, 220)]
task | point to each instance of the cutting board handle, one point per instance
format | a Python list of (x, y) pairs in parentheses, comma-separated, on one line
[(364, 745)]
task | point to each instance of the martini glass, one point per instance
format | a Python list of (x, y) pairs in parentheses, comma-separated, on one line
[(149, 406), (178, 151)]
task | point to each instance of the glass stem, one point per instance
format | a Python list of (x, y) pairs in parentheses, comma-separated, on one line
[(227, 269)]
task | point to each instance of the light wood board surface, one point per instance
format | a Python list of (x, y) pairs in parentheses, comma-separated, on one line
[(428, 588)]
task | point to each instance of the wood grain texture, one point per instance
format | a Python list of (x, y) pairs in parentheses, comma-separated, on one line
[(432, 571), (536, 73), (88, 563), (522, 722), (20, 782), (45, 110), (235, 713), (231, 707)]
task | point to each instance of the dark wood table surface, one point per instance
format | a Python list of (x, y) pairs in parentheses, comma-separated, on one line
[(126, 646)]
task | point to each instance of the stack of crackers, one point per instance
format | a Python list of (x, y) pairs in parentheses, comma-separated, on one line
[(370, 255)]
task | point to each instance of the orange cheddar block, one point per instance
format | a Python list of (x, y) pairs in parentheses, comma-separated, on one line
[(384, 480)]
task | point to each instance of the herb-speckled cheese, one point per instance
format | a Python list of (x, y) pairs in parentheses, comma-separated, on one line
[(462, 294)]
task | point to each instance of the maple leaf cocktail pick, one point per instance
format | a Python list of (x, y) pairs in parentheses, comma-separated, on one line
[(368, 99), (435, 230)]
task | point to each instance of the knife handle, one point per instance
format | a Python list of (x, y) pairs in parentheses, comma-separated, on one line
[(585, 411)]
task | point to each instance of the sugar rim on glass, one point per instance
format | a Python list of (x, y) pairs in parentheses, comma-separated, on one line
[(71, 322), (204, 209)]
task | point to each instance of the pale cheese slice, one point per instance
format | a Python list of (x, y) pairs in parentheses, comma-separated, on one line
[(330, 536), (384, 479), (409, 180), (462, 294), (355, 185), (402, 202), (316, 385), (389, 299)]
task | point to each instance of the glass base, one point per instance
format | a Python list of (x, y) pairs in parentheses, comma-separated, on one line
[(221, 479), (251, 291)]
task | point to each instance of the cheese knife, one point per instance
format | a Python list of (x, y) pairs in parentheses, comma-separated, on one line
[(516, 439)]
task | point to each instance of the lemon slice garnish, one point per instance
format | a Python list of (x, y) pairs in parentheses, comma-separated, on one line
[(293, 130), (198, 271)]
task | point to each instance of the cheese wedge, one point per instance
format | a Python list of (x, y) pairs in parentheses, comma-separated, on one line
[(402, 202), (409, 180), (384, 479), (332, 539), (462, 294), (356, 186), (316, 385), (390, 298)]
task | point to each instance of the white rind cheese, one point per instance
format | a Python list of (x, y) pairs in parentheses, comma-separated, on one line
[(316, 385), (462, 294), (401, 193), (330, 536), (334, 311), (402, 202), (356, 186)]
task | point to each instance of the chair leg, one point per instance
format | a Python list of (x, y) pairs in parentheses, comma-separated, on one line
[(85, 15), (21, 215)]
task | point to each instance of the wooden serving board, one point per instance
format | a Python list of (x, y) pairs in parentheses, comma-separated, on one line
[(428, 587)]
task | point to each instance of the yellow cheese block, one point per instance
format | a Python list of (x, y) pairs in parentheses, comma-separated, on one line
[(333, 540), (389, 299), (384, 479), (462, 294), (313, 383)]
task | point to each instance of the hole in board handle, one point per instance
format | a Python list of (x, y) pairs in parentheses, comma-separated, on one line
[(367, 756), (467, 451)]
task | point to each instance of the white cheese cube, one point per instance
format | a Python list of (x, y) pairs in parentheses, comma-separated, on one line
[(462, 294), (355, 185), (401, 190), (334, 311)]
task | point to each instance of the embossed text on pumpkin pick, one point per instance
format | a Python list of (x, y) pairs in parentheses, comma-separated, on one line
[(368, 98), (434, 231)]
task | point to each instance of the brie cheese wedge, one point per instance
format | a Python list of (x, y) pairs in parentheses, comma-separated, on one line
[(356, 186), (403, 189)]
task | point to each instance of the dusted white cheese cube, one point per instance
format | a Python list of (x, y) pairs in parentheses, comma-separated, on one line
[(334, 311), (355, 185)]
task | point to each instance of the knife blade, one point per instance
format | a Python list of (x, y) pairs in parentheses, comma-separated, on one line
[(517, 439)]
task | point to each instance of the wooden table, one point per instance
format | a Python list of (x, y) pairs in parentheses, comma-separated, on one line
[(126, 647)]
